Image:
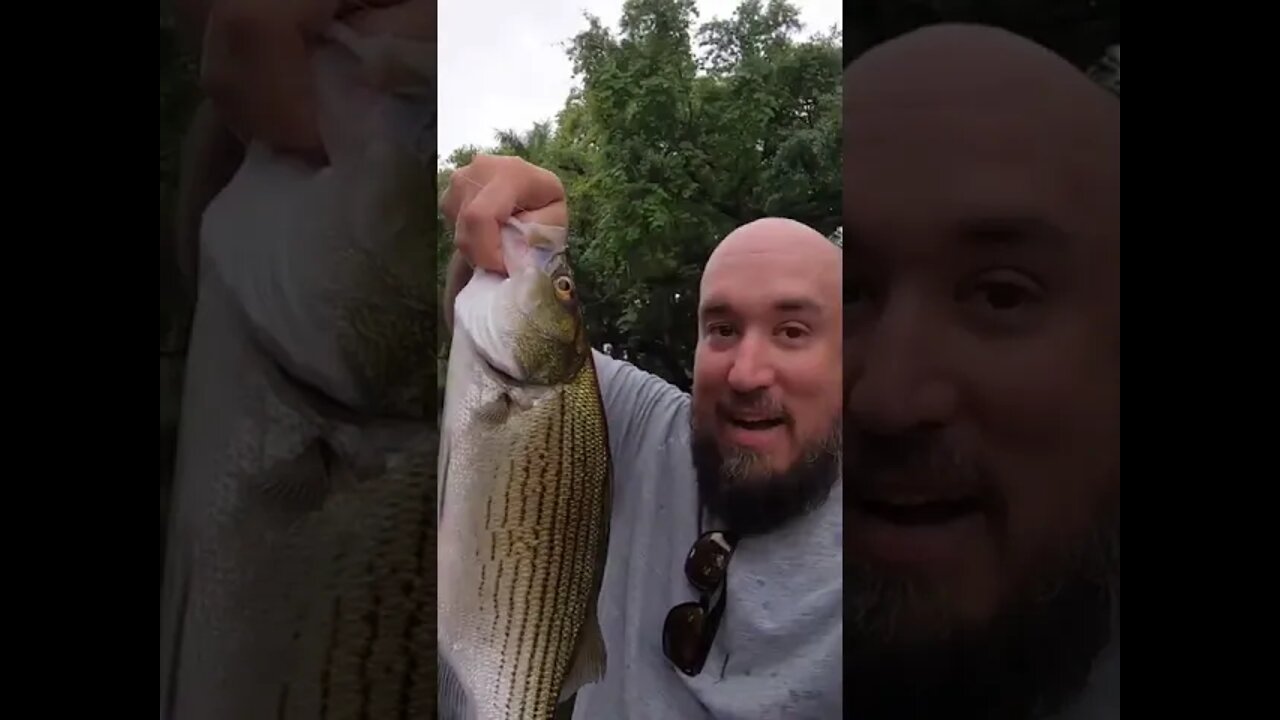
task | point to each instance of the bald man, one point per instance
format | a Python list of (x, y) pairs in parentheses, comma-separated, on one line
[(740, 479), (765, 417), (982, 343)]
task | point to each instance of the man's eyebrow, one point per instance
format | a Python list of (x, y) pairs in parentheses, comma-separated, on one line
[(795, 304), (1009, 230), (714, 309)]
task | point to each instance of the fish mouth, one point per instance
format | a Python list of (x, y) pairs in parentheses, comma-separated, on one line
[(546, 259)]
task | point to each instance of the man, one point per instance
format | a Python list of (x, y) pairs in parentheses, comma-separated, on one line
[(982, 351), (753, 453)]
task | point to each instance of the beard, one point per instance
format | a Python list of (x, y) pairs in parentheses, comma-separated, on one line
[(738, 487), (912, 657)]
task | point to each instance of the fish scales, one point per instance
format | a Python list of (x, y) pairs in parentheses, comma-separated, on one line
[(369, 647), (523, 524), (536, 557)]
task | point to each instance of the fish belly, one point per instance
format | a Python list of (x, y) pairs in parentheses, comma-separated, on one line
[(320, 617), (367, 645), (522, 536)]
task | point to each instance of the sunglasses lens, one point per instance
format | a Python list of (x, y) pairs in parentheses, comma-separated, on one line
[(682, 637), (707, 561)]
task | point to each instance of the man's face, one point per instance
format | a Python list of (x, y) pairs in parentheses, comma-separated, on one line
[(766, 400), (982, 364)]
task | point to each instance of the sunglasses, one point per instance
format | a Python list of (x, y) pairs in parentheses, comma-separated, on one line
[(690, 627)]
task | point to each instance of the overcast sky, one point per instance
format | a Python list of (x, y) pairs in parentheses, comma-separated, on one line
[(503, 66)]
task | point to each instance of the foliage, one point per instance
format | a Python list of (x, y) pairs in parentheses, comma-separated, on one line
[(676, 135)]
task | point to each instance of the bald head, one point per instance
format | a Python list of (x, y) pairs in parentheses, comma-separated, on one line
[(958, 59), (951, 80), (953, 117), (772, 239)]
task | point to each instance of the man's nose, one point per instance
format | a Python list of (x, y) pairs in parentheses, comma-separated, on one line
[(897, 379), (752, 368)]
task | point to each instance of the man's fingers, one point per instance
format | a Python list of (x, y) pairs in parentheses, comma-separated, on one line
[(556, 215), (457, 194), (257, 72), (538, 187), (409, 19), (480, 221), (487, 192)]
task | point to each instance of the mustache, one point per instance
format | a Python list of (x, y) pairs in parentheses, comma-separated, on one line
[(755, 403), (920, 454)]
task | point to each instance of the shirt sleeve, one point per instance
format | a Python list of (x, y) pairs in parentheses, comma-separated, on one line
[(642, 410)]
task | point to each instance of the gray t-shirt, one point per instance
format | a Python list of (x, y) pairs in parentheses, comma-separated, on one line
[(778, 652), (1100, 699)]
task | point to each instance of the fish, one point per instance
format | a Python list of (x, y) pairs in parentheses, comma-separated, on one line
[(300, 569), (365, 639), (525, 491)]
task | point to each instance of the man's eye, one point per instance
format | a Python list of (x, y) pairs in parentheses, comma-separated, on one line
[(720, 330), (1007, 298), (1005, 295), (793, 332), (1002, 290)]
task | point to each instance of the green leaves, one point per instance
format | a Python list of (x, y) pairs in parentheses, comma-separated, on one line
[(677, 135)]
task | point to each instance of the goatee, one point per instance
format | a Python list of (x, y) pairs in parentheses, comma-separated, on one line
[(1027, 663), (738, 487)]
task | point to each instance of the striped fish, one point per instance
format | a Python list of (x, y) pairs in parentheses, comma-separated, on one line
[(300, 574), (365, 647), (525, 492)]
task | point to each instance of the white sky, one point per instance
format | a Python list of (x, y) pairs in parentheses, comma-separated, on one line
[(502, 65)]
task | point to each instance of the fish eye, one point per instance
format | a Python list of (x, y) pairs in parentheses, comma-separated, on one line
[(564, 287)]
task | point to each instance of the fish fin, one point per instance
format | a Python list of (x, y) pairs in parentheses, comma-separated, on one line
[(589, 659), (442, 473), (496, 411), (452, 700), (173, 621)]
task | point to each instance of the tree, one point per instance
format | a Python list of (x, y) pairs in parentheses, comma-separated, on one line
[(675, 136)]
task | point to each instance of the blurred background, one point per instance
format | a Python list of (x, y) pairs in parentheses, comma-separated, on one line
[(179, 97)]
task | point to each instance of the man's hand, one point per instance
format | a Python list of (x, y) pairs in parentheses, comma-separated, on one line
[(490, 190), (484, 194), (255, 63)]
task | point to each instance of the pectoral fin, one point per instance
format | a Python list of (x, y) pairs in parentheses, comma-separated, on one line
[(496, 411), (589, 659), (442, 472), (453, 701)]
